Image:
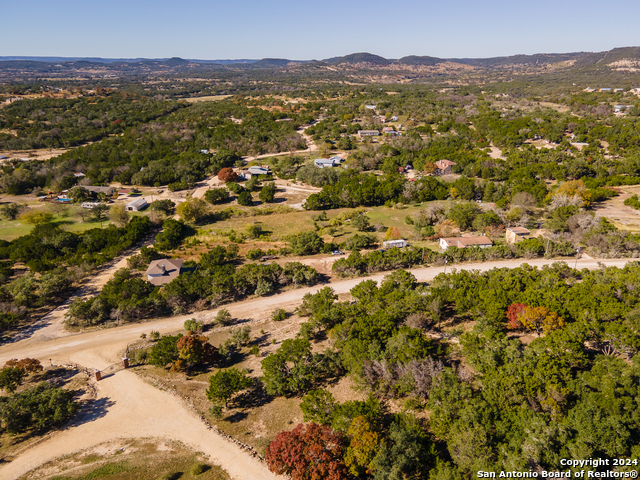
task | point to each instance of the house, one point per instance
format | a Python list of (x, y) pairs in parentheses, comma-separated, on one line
[(94, 191), (394, 244), (205, 151), (324, 163), (79, 175), (262, 170), (464, 242), (605, 90), (370, 107), (368, 133), (163, 271), (89, 205), (394, 118), (337, 158), (515, 234), (619, 90), (136, 205), (444, 167), (387, 129)]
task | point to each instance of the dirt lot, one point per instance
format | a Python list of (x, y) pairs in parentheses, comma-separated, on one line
[(614, 209)]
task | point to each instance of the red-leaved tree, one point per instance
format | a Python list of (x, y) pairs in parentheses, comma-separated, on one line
[(513, 315), (227, 175), (308, 452)]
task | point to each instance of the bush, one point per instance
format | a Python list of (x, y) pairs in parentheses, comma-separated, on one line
[(279, 315), (255, 254), (223, 317), (198, 468), (245, 199), (268, 192), (177, 186), (216, 196)]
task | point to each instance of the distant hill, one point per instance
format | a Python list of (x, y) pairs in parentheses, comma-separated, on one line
[(419, 60), (537, 59), (363, 57), (272, 63)]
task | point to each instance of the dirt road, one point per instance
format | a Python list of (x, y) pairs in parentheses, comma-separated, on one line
[(127, 407)]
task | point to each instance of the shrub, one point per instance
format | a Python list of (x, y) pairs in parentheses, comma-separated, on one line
[(279, 315)]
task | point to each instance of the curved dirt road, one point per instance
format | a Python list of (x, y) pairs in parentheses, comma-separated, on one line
[(128, 407)]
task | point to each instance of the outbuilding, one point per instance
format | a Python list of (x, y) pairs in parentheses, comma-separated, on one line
[(394, 244), (136, 205)]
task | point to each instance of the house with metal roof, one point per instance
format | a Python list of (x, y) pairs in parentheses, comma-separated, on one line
[(325, 163), (136, 205)]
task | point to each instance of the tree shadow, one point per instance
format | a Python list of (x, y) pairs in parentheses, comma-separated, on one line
[(236, 417), (254, 397), (92, 410)]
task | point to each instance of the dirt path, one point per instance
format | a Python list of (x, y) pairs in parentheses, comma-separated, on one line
[(127, 407), (50, 326)]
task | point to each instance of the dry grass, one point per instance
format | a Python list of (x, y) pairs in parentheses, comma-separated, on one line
[(210, 98), (139, 459), (252, 419)]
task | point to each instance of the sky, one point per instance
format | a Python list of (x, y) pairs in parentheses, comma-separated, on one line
[(305, 30)]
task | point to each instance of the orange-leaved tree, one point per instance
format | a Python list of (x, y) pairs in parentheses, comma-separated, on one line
[(541, 320), (364, 446)]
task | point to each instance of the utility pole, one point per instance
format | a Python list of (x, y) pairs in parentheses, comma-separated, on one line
[(577, 256), (446, 260)]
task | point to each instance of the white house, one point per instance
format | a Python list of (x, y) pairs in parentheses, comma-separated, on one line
[(136, 205), (394, 244), (370, 107), (337, 159), (324, 163), (255, 170), (464, 242), (368, 133)]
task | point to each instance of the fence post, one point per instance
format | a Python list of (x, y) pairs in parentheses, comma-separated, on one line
[(98, 375), (125, 362)]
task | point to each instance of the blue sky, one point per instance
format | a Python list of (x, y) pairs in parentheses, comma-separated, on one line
[(304, 30)]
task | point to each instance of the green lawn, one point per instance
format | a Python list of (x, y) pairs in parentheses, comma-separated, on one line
[(11, 229)]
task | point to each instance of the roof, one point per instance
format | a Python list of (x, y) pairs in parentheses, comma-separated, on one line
[(161, 276), (258, 170), (443, 164), (324, 161), (95, 189), (138, 202), (519, 230), (462, 242), (337, 158)]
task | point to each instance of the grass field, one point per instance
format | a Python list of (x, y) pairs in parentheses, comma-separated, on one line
[(10, 229), (143, 459), (210, 98)]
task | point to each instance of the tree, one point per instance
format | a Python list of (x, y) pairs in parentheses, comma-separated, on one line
[(318, 406), (29, 365), (244, 199), (463, 215), (165, 351), (192, 210), (541, 319), (392, 234), (11, 378), (35, 217), (118, 215), (226, 383), (100, 212), (227, 175), (195, 349), (308, 452), (364, 446), (306, 243), (513, 315), (361, 222), (223, 317), (171, 235), (165, 206), (216, 196), (10, 211), (268, 193)]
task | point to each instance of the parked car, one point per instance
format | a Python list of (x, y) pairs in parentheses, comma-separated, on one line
[(337, 252)]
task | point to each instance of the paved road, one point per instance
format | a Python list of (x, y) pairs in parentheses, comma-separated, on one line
[(132, 408)]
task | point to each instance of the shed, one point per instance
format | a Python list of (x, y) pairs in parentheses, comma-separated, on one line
[(136, 205), (515, 234), (394, 244)]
